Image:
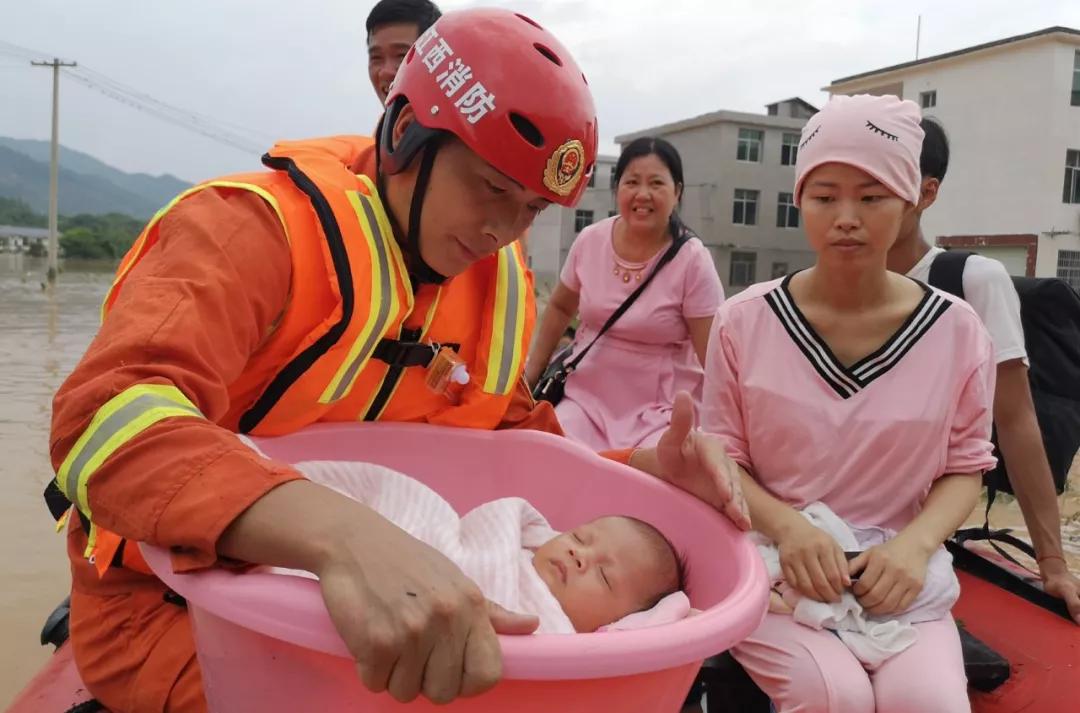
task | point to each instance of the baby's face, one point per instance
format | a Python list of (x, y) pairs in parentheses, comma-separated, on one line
[(603, 571)]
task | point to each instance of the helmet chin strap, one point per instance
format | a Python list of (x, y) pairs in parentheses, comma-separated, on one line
[(420, 272)]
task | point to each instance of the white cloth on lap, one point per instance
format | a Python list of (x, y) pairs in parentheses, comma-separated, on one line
[(873, 639)]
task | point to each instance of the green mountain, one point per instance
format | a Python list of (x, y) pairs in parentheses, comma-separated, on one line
[(16, 212), (86, 185)]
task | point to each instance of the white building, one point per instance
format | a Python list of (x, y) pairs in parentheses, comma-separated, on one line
[(1011, 109), (555, 228), (543, 246), (597, 203), (739, 170)]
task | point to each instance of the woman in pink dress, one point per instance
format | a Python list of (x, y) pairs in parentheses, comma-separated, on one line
[(621, 394), (862, 389)]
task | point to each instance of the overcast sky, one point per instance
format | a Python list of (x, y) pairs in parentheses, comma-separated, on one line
[(297, 68)]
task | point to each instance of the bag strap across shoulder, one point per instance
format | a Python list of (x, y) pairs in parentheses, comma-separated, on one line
[(947, 272), (667, 257)]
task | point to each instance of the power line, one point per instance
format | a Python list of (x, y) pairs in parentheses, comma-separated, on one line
[(15, 50), (220, 135), (229, 134), (195, 117)]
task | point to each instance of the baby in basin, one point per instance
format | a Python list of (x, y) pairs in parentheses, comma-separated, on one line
[(576, 581), (607, 569)]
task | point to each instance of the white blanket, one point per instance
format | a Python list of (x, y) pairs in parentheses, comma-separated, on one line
[(492, 544), (872, 639)]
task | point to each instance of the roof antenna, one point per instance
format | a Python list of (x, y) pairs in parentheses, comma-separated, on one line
[(918, 36)]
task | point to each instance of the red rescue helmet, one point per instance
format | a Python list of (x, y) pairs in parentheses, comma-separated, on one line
[(509, 90)]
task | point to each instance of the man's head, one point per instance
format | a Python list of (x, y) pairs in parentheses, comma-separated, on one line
[(488, 121), (470, 208), (933, 161), (392, 27), (933, 164), (608, 569)]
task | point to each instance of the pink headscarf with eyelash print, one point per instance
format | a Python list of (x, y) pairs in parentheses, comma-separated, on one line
[(878, 135)]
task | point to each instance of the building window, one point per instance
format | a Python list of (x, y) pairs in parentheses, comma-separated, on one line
[(789, 151), (928, 100), (743, 269), (1076, 80), (750, 141), (612, 213), (592, 178), (745, 211), (1071, 194), (582, 220), (787, 215), (779, 269), (1068, 267)]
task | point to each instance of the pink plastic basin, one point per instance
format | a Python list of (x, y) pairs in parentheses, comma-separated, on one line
[(265, 642)]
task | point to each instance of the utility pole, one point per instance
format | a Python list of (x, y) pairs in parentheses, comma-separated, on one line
[(54, 165)]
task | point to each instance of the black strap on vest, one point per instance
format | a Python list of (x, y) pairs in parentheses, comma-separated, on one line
[(406, 354), (55, 500), (58, 504), (291, 372)]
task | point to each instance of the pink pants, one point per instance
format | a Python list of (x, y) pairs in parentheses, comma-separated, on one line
[(808, 671)]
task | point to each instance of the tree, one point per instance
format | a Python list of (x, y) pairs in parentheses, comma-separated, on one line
[(83, 243), (84, 236), (99, 236)]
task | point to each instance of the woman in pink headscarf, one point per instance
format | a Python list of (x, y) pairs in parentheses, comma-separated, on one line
[(870, 393)]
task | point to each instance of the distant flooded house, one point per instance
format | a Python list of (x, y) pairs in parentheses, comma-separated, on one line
[(17, 238)]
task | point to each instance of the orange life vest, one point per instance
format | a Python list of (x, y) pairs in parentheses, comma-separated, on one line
[(351, 304)]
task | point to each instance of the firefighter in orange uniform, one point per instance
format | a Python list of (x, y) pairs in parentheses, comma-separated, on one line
[(321, 290)]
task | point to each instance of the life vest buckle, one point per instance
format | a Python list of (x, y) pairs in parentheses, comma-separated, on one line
[(407, 354)]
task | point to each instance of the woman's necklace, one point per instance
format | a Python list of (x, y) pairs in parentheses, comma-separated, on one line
[(626, 273), (625, 270)]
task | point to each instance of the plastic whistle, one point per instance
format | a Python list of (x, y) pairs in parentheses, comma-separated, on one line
[(447, 374)]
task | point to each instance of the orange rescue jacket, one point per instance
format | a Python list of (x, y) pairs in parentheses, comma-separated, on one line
[(353, 341)]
